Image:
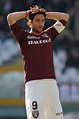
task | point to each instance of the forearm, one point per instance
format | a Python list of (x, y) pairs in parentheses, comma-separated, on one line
[(13, 17), (57, 16)]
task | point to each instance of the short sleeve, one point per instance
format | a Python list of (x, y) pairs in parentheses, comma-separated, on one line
[(60, 25), (55, 29), (17, 31)]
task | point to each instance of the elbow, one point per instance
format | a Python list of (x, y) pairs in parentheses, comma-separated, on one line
[(10, 19)]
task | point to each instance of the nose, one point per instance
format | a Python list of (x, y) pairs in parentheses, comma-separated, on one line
[(40, 23)]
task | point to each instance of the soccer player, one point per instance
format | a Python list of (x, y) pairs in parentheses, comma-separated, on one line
[(41, 90)]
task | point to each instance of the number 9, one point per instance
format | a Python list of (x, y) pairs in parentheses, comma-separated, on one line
[(34, 105)]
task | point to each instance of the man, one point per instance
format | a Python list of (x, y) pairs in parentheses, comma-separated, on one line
[(41, 91)]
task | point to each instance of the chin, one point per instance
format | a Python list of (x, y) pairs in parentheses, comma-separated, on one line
[(39, 31)]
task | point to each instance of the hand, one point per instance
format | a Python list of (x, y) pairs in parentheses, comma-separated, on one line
[(34, 9)]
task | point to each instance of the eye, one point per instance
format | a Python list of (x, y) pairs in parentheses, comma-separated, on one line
[(43, 20), (37, 20)]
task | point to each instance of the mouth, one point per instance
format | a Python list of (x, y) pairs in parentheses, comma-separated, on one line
[(40, 27)]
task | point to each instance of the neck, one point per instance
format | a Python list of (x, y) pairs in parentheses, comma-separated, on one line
[(36, 33)]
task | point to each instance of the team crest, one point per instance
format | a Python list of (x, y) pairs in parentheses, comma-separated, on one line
[(35, 114), (45, 35)]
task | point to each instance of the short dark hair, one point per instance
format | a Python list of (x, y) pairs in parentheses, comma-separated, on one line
[(40, 10)]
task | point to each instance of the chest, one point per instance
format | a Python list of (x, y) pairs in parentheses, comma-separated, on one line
[(37, 45)]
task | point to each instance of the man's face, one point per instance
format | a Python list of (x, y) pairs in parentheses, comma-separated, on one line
[(38, 23)]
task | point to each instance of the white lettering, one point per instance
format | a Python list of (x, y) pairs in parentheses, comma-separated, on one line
[(44, 41), (39, 41), (28, 42), (35, 42), (32, 37)]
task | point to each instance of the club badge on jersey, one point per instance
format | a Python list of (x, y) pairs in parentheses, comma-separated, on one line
[(35, 114)]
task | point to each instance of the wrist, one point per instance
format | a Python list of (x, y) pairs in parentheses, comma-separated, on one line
[(25, 14), (47, 14)]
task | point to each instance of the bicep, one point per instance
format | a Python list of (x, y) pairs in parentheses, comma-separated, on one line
[(60, 25), (55, 29)]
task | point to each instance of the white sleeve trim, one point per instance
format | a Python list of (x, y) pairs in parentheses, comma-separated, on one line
[(58, 26)]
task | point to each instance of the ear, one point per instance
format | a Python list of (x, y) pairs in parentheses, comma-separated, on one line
[(29, 23)]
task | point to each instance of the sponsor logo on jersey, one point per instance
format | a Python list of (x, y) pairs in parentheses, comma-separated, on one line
[(36, 37), (31, 42), (33, 37)]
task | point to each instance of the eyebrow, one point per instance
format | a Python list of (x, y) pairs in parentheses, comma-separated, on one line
[(39, 19)]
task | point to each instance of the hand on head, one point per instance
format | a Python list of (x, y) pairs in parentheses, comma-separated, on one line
[(36, 9), (33, 11)]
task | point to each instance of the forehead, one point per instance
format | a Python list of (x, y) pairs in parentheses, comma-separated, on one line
[(39, 16)]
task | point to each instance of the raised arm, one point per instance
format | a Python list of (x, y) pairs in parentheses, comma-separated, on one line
[(57, 16), (15, 16)]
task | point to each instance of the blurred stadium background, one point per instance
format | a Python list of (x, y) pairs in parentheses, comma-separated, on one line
[(66, 59)]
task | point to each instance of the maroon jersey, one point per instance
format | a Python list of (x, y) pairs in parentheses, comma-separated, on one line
[(37, 50)]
